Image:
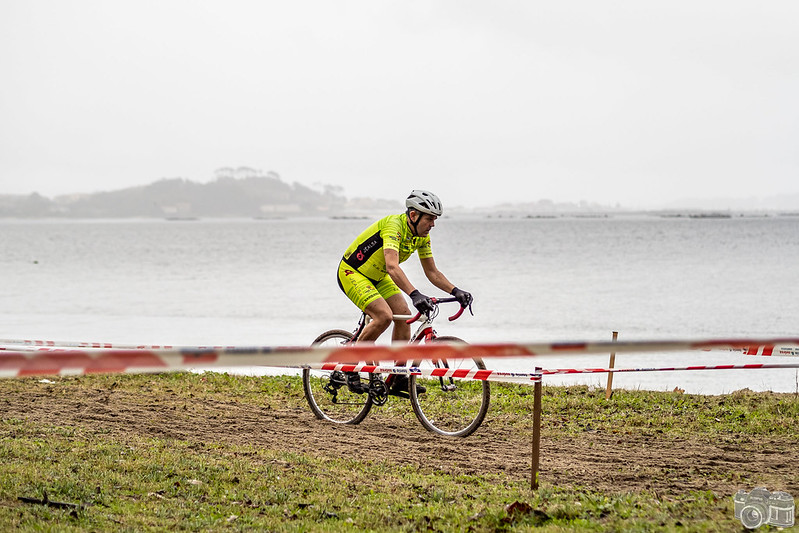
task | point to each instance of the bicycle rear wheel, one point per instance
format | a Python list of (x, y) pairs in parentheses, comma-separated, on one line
[(327, 392), (451, 406)]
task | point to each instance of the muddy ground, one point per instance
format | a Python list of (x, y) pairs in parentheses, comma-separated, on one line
[(594, 460)]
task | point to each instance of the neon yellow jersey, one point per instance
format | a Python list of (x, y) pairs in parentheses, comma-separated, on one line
[(366, 255)]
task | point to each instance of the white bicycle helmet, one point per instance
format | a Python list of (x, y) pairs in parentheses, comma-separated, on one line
[(424, 202)]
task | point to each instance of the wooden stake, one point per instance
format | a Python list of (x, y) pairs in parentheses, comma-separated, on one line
[(609, 390), (536, 433)]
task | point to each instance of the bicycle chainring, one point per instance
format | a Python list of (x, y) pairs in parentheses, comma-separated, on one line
[(378, 390)]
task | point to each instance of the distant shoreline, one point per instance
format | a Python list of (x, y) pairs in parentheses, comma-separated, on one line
[(456, 215)]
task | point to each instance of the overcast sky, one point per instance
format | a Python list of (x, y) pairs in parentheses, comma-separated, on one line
[(635, 102)]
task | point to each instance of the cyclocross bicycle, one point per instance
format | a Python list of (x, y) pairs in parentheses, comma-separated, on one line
[(443, 394)]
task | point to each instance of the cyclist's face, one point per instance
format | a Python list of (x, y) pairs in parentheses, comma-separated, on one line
[(426, 223)]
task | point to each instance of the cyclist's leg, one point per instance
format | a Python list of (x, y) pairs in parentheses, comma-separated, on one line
[(401, 333), (402, 330), (396, 301), (364, 294), (380, 313)]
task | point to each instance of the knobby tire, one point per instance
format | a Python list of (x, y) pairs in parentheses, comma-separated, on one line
[(349, 407), (456, 413)]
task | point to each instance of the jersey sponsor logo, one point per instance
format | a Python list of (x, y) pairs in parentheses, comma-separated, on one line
[(366, 249), (348, 272), (369, 245)]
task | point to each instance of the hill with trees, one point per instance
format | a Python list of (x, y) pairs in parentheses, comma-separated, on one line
[(239, 192)]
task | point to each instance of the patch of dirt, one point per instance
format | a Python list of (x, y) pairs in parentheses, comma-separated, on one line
[(594, 460)]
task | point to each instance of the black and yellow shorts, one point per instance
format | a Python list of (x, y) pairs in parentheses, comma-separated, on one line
[(362, 290)]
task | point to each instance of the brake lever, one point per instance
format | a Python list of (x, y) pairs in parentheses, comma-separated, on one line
[(415, 318)]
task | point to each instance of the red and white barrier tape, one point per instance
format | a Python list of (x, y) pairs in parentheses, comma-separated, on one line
[(664, 369), (71, 362), (460, 373), (754, 349), (769, 350), (16, 344), (119, 360)]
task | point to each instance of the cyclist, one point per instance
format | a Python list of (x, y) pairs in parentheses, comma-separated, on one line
[(371, 277)]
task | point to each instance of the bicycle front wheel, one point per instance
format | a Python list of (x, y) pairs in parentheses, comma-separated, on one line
[(327, 392), (453, 406)]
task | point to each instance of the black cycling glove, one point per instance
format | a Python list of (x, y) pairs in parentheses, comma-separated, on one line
[(464, 298), (422, 303)]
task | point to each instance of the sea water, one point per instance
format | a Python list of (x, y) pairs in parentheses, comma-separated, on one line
[(272, 283)]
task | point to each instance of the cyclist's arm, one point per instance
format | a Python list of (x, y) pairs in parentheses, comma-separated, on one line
[(397, 275), (435, 276)]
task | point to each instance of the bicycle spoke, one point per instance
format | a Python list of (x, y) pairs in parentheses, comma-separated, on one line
[(452, 406), (330, 394)]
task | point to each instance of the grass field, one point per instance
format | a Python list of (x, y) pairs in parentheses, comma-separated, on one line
[(216, 452)]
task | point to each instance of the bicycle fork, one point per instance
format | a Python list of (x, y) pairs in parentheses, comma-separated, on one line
[(445, 387)]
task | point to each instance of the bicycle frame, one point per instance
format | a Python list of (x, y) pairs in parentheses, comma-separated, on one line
[(446, 400), (424, 332)]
